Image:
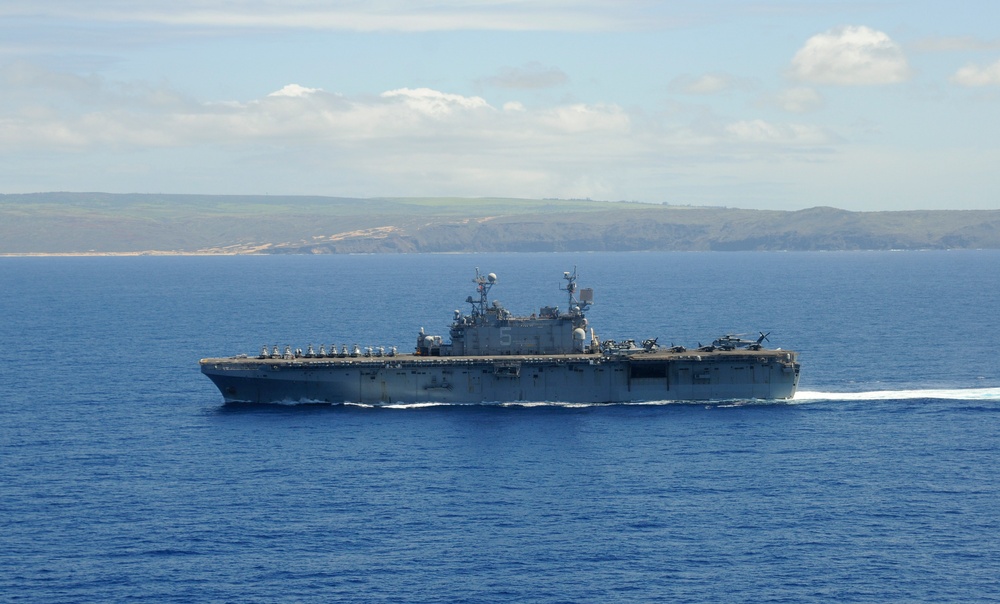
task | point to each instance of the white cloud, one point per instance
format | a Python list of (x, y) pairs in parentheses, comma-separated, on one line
[(763, 132), (797, 100), (373, 15), (580, 118), (434, 103), (302, 139), (975, 75), (850, 56), (294, 90), (56, 113), (706, 84)]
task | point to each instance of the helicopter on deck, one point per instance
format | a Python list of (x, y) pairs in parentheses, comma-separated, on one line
[(732, 341)]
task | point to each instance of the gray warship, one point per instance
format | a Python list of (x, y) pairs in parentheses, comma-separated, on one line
[(493, 356)]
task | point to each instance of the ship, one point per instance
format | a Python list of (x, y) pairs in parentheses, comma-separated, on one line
[(494, 356)]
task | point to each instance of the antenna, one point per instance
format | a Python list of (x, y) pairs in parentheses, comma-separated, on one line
[(483, 285), (586, 295)]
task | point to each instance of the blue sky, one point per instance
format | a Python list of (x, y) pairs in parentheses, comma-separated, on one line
[(866, 105)]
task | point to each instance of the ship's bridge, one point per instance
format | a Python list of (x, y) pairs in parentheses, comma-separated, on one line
[(490, 329)]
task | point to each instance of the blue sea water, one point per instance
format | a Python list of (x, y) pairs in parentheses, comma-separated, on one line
[(123, 477)]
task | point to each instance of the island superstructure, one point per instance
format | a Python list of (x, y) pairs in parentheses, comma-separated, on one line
[(493, 356)]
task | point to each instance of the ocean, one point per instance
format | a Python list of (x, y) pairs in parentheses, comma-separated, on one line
[(123, 477)]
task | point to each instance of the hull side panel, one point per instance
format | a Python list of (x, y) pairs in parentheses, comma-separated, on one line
[(502, 379)]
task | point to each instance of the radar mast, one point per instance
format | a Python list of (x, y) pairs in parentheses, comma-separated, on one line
[(586, 295), (483, 285)]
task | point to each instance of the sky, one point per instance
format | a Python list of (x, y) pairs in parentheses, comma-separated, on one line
[(783, 104)]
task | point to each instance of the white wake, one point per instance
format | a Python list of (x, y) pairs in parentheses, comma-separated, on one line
[(961, 394)]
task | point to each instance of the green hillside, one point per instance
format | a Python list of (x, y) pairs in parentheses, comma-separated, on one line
[(109, 223)]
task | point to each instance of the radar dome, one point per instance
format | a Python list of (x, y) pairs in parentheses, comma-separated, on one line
[(492, 277)]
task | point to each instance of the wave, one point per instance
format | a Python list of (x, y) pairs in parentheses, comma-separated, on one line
[(807, 396), (801, 397), (403, 405), (959, 394)]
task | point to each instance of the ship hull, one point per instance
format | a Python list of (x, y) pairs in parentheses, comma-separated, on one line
[(584, 378)]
